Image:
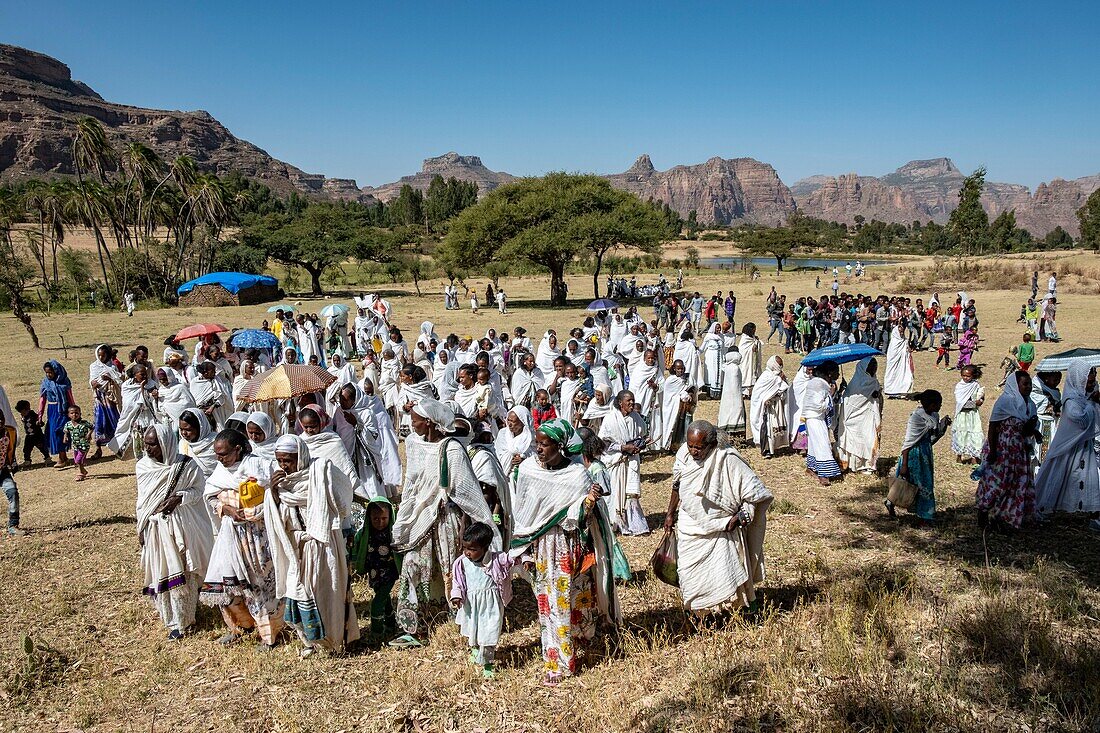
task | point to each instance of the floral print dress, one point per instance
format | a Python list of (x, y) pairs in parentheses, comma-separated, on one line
[(566, 599), (1007, 487)]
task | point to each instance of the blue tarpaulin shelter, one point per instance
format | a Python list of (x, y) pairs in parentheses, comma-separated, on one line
[(229, 288)]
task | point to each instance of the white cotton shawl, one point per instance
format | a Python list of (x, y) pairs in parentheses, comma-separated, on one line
[(686, 352), (541, 495), (920, 423), (770, 385), (327, 445), (641, 374), (180, 542), (425, 491), (752, 360), (1012, 404), (525, 384), (595, 410), (263, 421), (731, 409), (966, 394), (796, 397), (617, 429), (544, 358), (816, 399), (861, 414), (202, 448), (899, 365), (174, 399), (508, 446)]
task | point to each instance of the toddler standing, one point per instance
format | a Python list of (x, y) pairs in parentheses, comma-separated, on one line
[(78, 437), (1025, 353), (543, 410), (481, 587)]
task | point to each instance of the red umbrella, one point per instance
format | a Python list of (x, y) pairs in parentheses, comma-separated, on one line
[(199, 330)]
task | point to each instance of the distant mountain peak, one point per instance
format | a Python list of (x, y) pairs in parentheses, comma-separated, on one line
[(444, 163), (931, 168), (642, 165)]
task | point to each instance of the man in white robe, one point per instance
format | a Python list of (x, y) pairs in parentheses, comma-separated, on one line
[(719, 509), (752, 358), (899, 365), (731, 410)]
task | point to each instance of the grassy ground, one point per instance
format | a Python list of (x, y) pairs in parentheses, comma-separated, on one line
[(868, 623)]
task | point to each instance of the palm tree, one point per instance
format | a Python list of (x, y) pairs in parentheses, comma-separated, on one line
[(92, 152), (13, 274)]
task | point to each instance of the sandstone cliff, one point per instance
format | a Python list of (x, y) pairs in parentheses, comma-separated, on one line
[(448, 165), (720, 191), (40, 104)]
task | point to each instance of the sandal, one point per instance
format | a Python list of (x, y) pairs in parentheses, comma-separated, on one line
[(552, 679), (230, 638), (81, 478), (405, 641), (890, 508)]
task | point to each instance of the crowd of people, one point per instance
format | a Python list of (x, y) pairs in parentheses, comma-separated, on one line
[(523, 460)]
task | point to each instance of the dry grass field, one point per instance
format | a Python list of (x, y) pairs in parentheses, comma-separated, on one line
[(868, 624)]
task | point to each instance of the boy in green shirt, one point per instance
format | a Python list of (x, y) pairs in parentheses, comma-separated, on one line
[(1025, 352)]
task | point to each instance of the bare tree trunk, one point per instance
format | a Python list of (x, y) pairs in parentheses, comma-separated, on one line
[(18, 312)]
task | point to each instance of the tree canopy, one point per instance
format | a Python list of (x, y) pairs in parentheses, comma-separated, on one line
[(1089, 217), (548, 222)]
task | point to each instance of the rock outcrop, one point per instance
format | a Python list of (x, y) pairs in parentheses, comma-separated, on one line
[(40, 104), (448, 165), (928, 190), (720, 191)]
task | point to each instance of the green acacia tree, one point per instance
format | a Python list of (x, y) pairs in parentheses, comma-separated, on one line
[(1089, 217), (548, 221)]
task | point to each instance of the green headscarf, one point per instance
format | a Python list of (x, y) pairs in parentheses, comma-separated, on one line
[(564, 434)]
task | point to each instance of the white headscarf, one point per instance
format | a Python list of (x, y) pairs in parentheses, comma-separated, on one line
[(544, 359), (863, 383), (437, 412), (263, 421), (508, 445), (1012, 404)]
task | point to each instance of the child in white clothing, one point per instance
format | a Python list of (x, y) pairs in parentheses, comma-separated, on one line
[(483, 389), (481, 587)]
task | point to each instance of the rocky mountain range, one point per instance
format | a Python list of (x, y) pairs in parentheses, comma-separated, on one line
[(40, 104), (928, 190)]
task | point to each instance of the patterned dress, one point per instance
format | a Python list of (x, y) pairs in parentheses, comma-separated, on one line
[(567, 604), (1007, 488)]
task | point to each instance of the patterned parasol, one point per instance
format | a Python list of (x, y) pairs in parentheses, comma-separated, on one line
[(286, 381)]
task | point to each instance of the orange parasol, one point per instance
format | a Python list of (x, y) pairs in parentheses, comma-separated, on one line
[(286, 381), (199, 330)]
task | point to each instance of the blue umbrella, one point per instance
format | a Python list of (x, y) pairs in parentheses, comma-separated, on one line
[(602, 304), (283, 308), (840, 353), (254, 338)]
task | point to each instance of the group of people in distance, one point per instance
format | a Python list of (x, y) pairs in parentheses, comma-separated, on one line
[(524, 461)]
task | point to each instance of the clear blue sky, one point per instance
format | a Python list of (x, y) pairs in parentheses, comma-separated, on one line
[(366, 90)]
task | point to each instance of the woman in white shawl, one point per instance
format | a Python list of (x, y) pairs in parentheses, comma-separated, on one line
[(212, 393), (262, 435), (526, 381), (644, 376), (711, 357), (817, 413), (1068, 480), (516, 442), (752, 357), (624, 436), (768, 406), (324, 442), (719, 507), (440, 487), (304, 510), (105, 381), (566, 393), (389, 374), (344, 373), (248, 370), (443, 376), (388, 461), (731, 410), (675, 400), (686, 352), (173, 397), (796, 397), (556, 503), (899, 365), (240, 580), (598, 408), (860, 420), (174, 530), (197, 439), (138, 412), (573, 352)]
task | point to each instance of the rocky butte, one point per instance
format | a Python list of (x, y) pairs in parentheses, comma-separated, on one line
[(40, 104), (928, 190), (448, 165)]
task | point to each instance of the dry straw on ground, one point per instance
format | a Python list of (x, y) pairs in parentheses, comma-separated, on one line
[(867, 624)]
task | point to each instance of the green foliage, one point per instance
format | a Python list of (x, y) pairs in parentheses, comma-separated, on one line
[(446, 199), (969, 224), (1058, 238), (1089, 217), (692, 258), (235, 256), (407, 208), (778, 243), (548, 222)]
